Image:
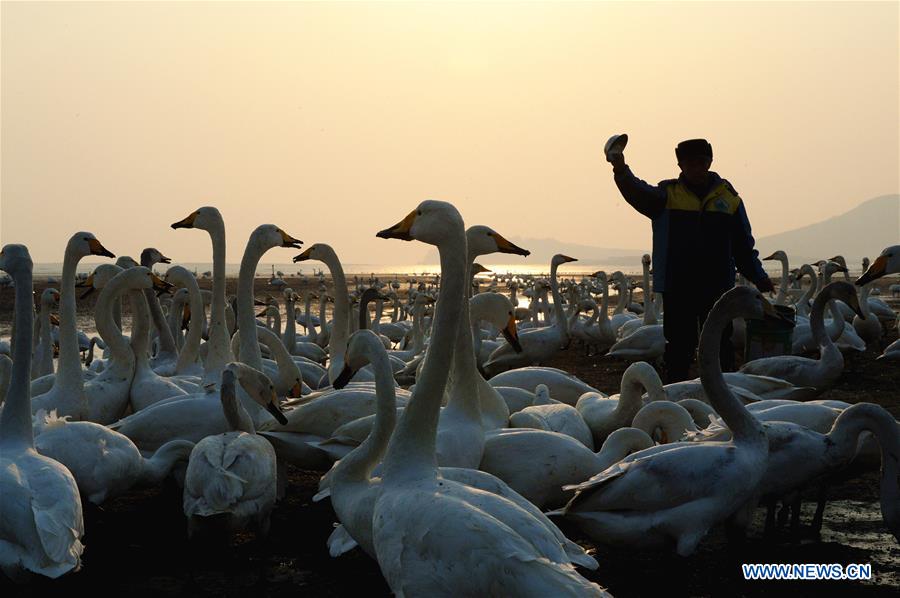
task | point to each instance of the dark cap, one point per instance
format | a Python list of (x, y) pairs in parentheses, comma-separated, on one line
[(694, 147)]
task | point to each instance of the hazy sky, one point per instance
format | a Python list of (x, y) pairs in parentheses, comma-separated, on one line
[(334, 120)]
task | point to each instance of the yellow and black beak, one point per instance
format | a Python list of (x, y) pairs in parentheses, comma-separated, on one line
[(296, 390), (289, 241), (511, 334), (306, 255), (504, 246), (187, 222), (401, 229), (344, 377), (272, 407), (160, 285), (164, 260), (771, 257), (569, 259), (98, 249), (875, 271)]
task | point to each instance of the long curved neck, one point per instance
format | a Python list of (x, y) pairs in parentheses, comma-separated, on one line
[(463, 390), (69, 365), (863, 301), (340, 326), (411, 453), (45, 336), (817, 321), (15, 419), (140, 329), (219, 353), (238, 418), (745, 427), (116, 344), (166, 339), (250, 353), (287, 369), (358, 465), (191, 348), (558, 310), (632, 388), (855, 420)]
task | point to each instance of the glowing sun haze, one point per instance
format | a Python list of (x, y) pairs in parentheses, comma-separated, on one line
[(334, 120)]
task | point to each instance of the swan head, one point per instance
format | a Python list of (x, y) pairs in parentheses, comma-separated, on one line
[(361, 348), (269, 235), (499, 311), (560, 259), (886, 263), (746, 302), (778, 255), (151, 256), (483, 240), (845, 292), (99, 278), (319, 252), (258, 387), (206, 218), (15, 259), (431, 222), (126, 261), (83, 244)]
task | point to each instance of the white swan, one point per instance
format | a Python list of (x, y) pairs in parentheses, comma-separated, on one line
[(340, 327), (218, 351), (563, 386), (553, 417), (538, 344), (234, 474), (821, 373), (103, 462), (868, 327), (352, 489), (676, 492), (468, 542), (40, 523), (604, 415), (67, 393)]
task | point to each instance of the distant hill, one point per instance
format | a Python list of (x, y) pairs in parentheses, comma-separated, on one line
[(543, 250), (863, 231)]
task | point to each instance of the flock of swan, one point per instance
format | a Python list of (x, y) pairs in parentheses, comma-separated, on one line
[(450, 447)]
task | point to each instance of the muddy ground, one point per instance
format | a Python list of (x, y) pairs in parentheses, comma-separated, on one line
[(136, 545)]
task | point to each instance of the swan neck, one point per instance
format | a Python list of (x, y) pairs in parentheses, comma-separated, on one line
[(140, 329), (340, 325), (111, 334), (249, 348), (15, 418), (463, 391), (745, 427), (156, 468), (817, 320), (69, 366), (557, 301), (411, 453), (219, 353), (358, 465), (188, 355)]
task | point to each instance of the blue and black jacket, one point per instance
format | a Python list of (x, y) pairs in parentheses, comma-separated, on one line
[(697, 242)]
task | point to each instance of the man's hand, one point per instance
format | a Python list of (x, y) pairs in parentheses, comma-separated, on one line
[(765, 285), (614, 150)]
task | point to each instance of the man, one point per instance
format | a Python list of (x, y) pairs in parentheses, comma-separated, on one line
[(700, 233)]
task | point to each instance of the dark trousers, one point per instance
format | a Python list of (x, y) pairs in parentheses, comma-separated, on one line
[(685, 313)]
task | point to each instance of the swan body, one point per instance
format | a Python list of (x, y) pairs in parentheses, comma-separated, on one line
[(553, 417), (234, 474), (674, 493), (104, 463), (504, 550), (563, 387), (821, 373), (41, 522)]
